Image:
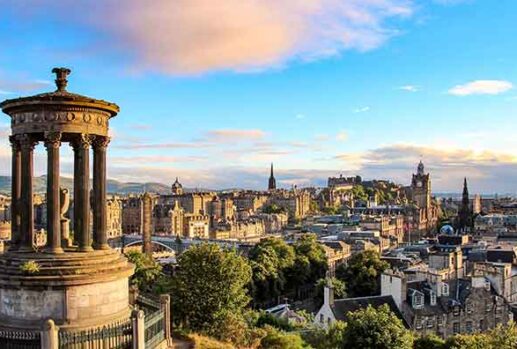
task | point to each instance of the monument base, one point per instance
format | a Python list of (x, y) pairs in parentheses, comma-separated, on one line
[(76, 290)]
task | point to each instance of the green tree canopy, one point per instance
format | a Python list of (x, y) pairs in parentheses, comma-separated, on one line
[(276, 339), (209, 285), (372, 328), (429, 342), (337, 285), (147, 271), (362, 273), (322, 338)]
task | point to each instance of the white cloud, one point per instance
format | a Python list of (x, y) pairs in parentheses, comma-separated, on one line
[(409, 88), (342, 136), (361, 110), (481, 87), (299, 116), (189, 37)]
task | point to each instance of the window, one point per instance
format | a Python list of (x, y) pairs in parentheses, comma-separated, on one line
[(468, 327), (481, 325), (322, 320), (445, 289), (430, 322), (469, 306), (456, 327), (488, 307), (433, 298), (456, 311)]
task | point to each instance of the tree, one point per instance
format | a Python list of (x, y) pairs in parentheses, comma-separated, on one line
[(273, 208), (208, 287), (372, 328), (308, 249), (362, 273), (276, 339), (337, 285), (269, 260), (466, 341), (504, 337), (147, 271), (431, 341), (321, 338)]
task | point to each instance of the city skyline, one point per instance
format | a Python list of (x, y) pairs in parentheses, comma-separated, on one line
[(317, 87)]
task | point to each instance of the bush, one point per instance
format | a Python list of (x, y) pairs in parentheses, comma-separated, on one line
[(30, 267)]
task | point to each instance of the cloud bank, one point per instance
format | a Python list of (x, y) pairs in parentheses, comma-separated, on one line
[(481, 87), (191, 37)]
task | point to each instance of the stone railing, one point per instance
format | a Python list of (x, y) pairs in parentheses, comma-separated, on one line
[(149, 327)]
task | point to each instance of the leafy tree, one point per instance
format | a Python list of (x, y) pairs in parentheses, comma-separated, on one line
[(466, 341), (431, 341), (273, 208), (504, 337), (362, 273), (269, 261), (276, 339), (331, 210), (359, 193), (322, 338), (372, 328), (337, 285), (209, 288), (308, 249), (147, 271)]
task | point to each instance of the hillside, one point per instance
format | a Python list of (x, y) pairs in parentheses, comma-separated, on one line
[(113, 186)]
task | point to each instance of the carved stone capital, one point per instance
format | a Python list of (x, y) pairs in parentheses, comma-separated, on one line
[(83, 141), (26, 141), (15, 144), (101, 142), (52, 140)]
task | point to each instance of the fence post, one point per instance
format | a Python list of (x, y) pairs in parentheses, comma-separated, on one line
[(49, 335), (165, 304), (138, 318), (133, 294)]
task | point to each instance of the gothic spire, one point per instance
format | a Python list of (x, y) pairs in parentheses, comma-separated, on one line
[(272, 180)]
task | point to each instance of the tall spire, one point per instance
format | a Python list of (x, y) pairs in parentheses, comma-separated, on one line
[(465, 212), (272, 180)]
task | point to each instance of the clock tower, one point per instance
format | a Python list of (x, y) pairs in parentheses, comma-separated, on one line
[(421, 187)]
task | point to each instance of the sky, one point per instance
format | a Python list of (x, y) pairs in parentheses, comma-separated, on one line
[(212, 92)]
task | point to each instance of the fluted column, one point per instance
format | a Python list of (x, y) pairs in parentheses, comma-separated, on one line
[(16, 172), (100, 220), (81, 146), (52, 143), (26, 206)]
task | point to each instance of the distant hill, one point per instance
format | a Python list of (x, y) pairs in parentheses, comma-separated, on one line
[(114, 186)]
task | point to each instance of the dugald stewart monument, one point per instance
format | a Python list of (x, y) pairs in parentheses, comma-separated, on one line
[(74, 290)]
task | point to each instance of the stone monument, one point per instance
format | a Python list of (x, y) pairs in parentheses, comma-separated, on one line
[(80, 284)]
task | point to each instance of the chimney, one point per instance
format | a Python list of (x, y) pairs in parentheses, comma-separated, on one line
[(328, 296)]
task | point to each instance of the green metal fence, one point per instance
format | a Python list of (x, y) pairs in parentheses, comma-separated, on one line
[(19, 340), (116, 336)]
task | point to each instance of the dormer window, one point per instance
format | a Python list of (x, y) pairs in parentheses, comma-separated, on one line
[(418, 300)]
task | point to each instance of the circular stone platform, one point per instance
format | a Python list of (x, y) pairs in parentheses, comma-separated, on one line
[(76, 290)]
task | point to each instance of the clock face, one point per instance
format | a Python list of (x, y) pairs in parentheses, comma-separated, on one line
[(419, 184)]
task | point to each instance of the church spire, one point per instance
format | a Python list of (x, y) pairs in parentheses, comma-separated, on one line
[(465, 212), (272, 180)]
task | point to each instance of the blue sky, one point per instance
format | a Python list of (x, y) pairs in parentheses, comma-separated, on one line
[(213, 93)]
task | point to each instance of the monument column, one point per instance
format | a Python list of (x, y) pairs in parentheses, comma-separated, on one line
[(52, 143), (81, 146), (100, 220), (26, 205), (16, 172)]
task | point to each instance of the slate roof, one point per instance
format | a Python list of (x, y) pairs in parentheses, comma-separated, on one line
[(342, 307)]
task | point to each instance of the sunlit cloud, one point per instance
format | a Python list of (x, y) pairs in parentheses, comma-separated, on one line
[(191, 37), (342, 136), (481, 87)]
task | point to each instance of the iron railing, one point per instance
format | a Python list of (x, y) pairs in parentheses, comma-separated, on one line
[(19, 339), (115, 336), (154, 329)]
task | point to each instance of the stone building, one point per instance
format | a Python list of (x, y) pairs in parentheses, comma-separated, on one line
[(445, 308), (422, 213), (132, 215), (114, 217), (295, 202), (196, 226)]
